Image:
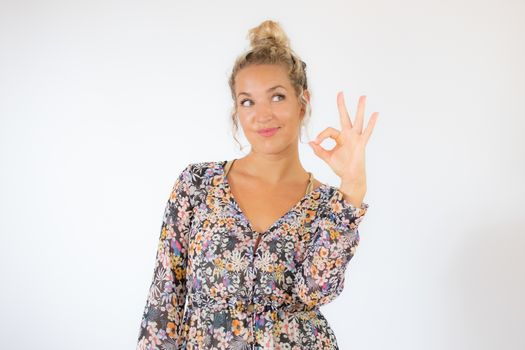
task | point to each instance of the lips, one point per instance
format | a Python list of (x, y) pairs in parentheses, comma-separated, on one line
[(267, 131)]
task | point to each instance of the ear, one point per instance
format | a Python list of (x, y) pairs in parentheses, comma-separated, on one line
[(306, 94)]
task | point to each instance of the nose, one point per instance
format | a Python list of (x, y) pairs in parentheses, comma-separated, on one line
[(263, 113)]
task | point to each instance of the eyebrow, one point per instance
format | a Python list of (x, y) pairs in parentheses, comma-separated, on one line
[(270, 89)]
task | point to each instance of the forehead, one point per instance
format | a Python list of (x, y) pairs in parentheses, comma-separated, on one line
[(257, 78)]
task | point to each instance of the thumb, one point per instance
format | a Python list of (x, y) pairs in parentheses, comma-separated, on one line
[(318, 150)]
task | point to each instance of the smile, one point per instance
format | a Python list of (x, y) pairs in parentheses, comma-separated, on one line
[(268, 132)]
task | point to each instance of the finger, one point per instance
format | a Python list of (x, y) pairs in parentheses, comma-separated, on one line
[(360, 114), (344, 117), (319, 151), (328, 132), (370, 127)]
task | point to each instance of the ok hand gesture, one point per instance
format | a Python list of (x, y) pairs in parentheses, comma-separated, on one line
[(347, 158)]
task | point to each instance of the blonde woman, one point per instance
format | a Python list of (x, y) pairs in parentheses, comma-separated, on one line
[(250, 248)]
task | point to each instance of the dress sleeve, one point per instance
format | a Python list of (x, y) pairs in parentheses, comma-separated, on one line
[(161, 324), (321, 274)]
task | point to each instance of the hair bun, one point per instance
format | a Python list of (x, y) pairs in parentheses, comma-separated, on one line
[(268, 33)]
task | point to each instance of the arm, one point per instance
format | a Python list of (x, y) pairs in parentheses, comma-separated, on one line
[(161, 324), (320, 276)]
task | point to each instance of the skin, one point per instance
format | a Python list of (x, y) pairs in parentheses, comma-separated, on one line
[(273, 164), (347, 158)]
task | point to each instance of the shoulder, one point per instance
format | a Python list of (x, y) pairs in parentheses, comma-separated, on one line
[(333, 201), (198, 172), (326, 191), (198, 176), (205, 167)]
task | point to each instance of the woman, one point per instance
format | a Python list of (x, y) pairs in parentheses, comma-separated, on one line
[(250, 248)]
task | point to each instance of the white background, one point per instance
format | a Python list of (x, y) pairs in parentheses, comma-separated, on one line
[(103, 103)]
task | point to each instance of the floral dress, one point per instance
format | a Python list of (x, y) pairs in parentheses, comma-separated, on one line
[(213, 288)]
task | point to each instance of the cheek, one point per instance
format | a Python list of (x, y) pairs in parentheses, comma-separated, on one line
[(244, 120), (288, 111), (289, 119)]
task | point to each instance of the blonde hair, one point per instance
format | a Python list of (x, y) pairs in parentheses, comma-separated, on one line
[(270, 45)]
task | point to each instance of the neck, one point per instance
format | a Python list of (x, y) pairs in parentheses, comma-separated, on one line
[(275, 168)]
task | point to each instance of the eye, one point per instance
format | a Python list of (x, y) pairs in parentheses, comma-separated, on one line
[(280, 95), (242, 102)]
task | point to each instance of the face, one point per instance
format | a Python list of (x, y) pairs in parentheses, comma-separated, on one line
[(267, 100)]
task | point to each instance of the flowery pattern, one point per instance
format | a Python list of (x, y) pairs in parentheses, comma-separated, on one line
[(213, 289)]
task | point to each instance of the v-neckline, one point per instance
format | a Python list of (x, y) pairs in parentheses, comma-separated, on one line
[(241, 212)]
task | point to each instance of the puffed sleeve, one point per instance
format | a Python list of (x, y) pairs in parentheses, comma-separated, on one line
[(161, 324), (321, 273)]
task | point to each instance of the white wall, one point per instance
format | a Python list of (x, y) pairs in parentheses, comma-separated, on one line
[(102, 103)]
